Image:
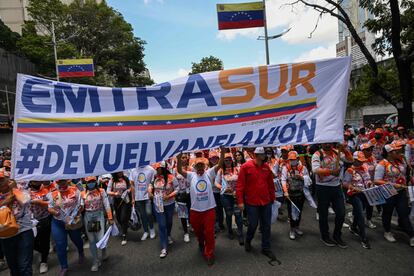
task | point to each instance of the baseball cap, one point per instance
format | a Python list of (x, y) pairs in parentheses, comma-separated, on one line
[(286, 148), (212, 154), (259, 150), (379, 131), (228, 155), (6, 163), (161, 164), (200, 160), (390, 147), (359, 155), (293, 155), (400, 128), (365, 146), (90, 178)]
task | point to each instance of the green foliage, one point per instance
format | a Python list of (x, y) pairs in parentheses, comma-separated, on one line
[(381, 24), (207, 64), (8, 38), (85, 29)]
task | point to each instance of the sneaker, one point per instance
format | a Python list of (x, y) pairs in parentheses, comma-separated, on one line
[(345, 225), (124, 241), (247, 246), (371, 225), (210, 261), (144, 236), (340, 243), (95, 267), (43, 268), (63, 272), (354, 231), (170, 240), (298, 232), (163, 253), (328, 242), (412, 242), (3, 265), (292, 235), (365, 244), (152, 234), (186, 237), (317, 216), (389, 237), (268, 253), (331, 211)]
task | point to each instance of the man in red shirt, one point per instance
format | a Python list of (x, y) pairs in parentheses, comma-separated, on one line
[(255, 190)]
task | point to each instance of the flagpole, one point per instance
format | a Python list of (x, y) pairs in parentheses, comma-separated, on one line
[(55, 50), (265, 29)]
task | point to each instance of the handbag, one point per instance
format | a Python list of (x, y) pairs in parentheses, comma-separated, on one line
[(77, 222), (182, 197), (8, 223), (94, 226)]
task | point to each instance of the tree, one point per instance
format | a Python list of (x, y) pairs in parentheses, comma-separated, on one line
[(85, 29), (207, 64), (8, 38), (395, 36)]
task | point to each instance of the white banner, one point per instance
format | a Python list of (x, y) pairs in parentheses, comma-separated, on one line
[(66, 130)]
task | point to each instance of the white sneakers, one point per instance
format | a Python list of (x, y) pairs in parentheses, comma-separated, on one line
[(170, 240), (371, 225), (123, 242), (298, 232), (152, 234), (317, 216), (331, 211), (163, 253), (95, 267), (292, 235), (390, 237), (186, 238), (412, 242), (43, 268), (144, 236)]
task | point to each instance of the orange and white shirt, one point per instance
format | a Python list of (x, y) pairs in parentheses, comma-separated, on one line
[(288, 172), (96, 200), (378, 148), (391, 172), (230, 177), (66, 202), (357, 177), (371, 163), (409, 152), (170, 188), (39, 212)]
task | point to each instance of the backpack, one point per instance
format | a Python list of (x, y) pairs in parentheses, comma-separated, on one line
[(8, 223), (295, 185)]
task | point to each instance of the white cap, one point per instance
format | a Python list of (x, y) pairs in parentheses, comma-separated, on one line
[(259, 150)]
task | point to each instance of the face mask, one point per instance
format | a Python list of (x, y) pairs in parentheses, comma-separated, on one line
[(378, 136), (91, 185), (269, 155), (63, 187), (294, 163), (35, 187)]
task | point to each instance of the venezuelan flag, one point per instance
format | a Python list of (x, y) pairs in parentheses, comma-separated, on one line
[(71, 68), (241, 15)]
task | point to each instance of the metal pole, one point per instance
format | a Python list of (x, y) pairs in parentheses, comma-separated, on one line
[(55, 50), (266, 37), (8, 103)]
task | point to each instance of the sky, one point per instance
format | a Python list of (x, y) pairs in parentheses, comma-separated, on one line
[(179, 32)]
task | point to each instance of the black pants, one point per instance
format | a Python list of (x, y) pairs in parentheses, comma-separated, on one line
[(359, 204), (183, 220), (123, 213), (219, 211), (42, 240), (298, 201), (399, 202), (327, 196), (369, 211)]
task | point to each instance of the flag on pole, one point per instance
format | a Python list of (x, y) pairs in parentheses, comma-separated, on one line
[(241, 15), (72, 68)]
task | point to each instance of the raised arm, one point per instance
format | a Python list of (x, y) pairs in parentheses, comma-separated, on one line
[(221, 161), (180, 166)]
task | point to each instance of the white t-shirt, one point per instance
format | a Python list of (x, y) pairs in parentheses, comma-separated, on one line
[(201, 190), (142, 178)]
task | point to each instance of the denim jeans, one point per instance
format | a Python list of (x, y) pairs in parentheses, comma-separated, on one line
[(399, 202), (359, 203), (165, 221), (94, 237), (143, 208), (264, 215), (60, 235), (229, 202), (219, 211), (18, 251), (327, 195)]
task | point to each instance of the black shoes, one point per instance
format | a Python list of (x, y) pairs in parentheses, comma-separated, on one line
[(241, 240), (231, 235), (268, 253), (365, 244), (210, 262), (247, 246), (340, 243), (328, 242), (353, 231)]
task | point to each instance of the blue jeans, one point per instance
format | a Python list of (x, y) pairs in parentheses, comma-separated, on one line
[(60, 235), (165, 221), (264, 215), (143, 208), (229, 202), (18, 251), (94, 237), (359, 203)]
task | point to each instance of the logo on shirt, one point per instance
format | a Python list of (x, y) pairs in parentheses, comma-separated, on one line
[(141, 178), (201, 186)]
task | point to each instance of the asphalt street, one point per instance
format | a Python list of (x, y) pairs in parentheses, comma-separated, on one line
[(304, 256)]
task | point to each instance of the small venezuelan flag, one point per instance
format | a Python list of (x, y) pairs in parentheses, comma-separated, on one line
[(72, 68), (242, 15)]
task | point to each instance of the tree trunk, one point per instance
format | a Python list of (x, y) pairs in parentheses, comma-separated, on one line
[(405, 113)]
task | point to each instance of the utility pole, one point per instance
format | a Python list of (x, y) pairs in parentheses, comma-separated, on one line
[(55, 50), (266, 37)]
